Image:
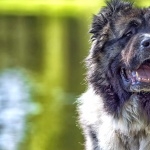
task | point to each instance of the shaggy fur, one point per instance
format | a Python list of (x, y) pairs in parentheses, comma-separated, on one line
[(114, 112)]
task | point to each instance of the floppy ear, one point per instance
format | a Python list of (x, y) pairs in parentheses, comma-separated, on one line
[(100, 32), (100, 28), (99, 21)]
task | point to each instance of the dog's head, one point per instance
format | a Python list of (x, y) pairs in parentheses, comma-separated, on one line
[(119, 60)]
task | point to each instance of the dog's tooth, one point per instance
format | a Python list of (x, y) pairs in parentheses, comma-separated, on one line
[(133, 73), (137, 74)]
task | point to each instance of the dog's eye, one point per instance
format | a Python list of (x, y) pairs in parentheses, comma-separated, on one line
[(133, 25), (129, 33)]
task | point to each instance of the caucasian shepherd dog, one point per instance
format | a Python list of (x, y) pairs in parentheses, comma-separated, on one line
[(115, 110)]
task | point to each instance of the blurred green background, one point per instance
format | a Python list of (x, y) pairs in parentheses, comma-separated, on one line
[(47, 41)]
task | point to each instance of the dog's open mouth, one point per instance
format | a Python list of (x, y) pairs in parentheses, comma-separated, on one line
[(138, 79)]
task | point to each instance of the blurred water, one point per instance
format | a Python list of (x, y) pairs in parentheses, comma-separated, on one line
[(15, 106)]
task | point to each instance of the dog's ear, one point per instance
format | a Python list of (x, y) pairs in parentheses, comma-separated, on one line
[(100, 32), (99, 21)]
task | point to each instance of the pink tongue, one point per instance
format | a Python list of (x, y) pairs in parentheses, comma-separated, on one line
[(144, 73)]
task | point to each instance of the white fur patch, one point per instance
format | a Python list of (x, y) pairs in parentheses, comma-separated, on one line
[(113, 133)]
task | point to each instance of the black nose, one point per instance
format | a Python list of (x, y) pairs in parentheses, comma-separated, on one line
[(146, 43)]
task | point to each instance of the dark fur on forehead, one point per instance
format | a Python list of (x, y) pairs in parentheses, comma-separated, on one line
[(107, 13)]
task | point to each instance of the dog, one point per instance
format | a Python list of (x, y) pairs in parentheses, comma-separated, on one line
[(114, 112)]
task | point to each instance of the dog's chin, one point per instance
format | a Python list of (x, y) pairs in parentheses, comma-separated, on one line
[(137, 80)]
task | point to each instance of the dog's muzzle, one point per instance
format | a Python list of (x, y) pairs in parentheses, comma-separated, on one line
[(136, 73)]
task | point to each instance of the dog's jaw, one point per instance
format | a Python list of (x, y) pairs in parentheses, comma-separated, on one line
[(137, 80)]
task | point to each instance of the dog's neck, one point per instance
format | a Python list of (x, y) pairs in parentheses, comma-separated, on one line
[(132, 119)]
